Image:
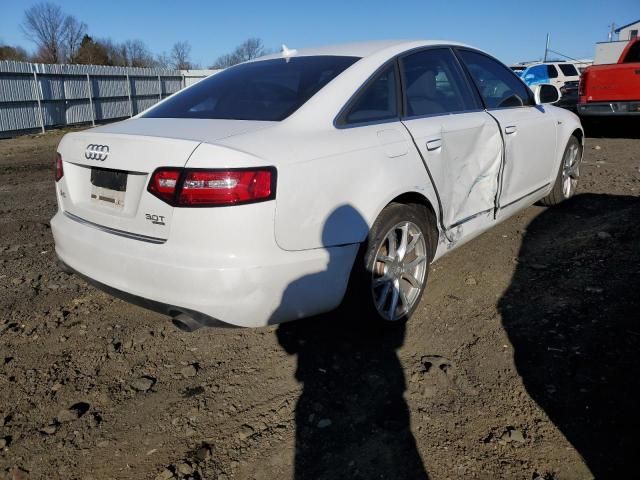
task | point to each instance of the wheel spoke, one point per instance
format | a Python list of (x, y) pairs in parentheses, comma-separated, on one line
[(381, 281), (404, 237), (404, 301), (395, 294), (574, 171), (415, 283), (414, 241), (393, 244), (413, 264), (384, 258), (383, 296)]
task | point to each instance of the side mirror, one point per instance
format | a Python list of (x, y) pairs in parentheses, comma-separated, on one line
[(546, 93)]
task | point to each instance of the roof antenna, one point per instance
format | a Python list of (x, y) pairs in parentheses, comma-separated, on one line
[(286, 53)]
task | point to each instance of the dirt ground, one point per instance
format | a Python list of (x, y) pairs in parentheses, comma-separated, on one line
[(521, 363)]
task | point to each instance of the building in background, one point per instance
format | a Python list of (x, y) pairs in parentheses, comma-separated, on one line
[(627, 32), (609, 52)]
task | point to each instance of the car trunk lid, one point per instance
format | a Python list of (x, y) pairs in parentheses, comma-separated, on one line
[(107, 170)]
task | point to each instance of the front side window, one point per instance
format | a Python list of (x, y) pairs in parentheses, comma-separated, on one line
[(434, 84), (378, 101), (499, 86), (552, 71), (269, 90), (569, 70)]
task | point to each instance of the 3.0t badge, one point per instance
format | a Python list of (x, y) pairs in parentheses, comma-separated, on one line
[(96, 152), (155, 219)]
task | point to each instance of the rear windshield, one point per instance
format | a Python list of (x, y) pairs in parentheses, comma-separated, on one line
[(262, 90), (569, 70)]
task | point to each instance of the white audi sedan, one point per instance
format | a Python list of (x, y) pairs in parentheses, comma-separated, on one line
[(281, 186)]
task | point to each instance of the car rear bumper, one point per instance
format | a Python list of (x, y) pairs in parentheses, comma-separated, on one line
[(609, 108), (250, 290)]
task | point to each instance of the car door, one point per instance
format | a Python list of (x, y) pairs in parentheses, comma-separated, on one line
[(529, 131), (460, 143)]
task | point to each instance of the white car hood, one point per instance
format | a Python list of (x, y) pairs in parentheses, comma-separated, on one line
[(195, 129)]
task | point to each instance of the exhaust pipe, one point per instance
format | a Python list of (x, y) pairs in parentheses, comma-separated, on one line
[(186, 323)]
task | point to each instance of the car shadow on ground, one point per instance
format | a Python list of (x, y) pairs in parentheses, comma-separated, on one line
[(352, 420), (572, 313)]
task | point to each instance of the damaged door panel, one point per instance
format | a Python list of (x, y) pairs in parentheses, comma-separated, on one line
[(463, 153)]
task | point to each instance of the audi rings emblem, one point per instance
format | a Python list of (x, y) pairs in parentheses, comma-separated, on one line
[(96, 152)]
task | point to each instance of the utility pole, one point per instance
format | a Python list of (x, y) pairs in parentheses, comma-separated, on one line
[(612, 31), (546, 49)]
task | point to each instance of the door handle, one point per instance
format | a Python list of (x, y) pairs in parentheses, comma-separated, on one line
[(434, 144), (510, 129)]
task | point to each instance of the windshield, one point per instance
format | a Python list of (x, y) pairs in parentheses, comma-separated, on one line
[(269, 90)]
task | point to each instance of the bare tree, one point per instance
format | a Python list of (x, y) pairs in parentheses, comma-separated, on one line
[(250, 49), (57, 36), (164, 60), (44, 25), (73, 33), (247, 50), (136, 54), (179, 57)]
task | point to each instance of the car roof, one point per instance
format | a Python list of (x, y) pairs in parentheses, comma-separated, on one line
[(550, 63), (361, 49)]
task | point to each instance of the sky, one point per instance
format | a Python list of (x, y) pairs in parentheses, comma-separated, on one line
[(513, 31)]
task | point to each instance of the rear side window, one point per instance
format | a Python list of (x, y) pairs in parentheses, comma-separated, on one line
[(569, 70), (378, 101), (262, 90), (498, 85), (434, 84)]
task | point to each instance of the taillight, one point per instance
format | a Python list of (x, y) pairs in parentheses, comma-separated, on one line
[(164, 183), (211, 188), (582, 86), (59, 170)]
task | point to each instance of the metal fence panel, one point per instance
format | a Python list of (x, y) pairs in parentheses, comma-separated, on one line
[(14, 88), (20, 115), (39, 96)]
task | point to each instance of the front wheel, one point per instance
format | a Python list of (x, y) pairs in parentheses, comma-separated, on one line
[(391, 271), (567, 178)]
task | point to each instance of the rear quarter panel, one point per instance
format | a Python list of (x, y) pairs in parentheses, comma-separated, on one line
[(333, 183)]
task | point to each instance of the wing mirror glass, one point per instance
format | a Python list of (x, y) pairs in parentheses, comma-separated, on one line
[(546, 93)]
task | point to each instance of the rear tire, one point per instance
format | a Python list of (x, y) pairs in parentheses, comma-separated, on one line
[(391, 270), (568, 174)]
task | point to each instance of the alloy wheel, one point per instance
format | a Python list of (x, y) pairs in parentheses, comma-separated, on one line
[(399, 271)]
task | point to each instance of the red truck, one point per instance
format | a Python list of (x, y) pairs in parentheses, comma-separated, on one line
[(612, 90)]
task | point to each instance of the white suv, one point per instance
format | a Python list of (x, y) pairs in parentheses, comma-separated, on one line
[(562, 75), (555, 73)]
